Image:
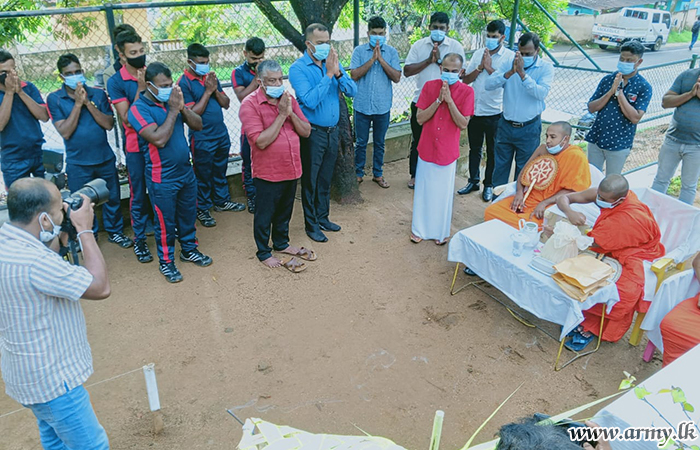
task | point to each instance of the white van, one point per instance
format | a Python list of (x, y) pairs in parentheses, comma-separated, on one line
[(648, 26)]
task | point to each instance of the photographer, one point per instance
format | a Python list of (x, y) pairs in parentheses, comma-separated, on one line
[(45, 354)]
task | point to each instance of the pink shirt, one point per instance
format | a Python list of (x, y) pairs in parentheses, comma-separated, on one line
[(439, 140), (279, 161)]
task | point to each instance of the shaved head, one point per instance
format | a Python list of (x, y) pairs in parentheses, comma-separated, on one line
[(613, 187), (564, 127)]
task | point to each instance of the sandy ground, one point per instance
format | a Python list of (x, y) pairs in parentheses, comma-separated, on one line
[(367, 337)]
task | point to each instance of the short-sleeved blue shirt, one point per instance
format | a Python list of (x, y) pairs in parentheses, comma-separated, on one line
[(243, 75), (213, 116), (611, 129), (88, 145), (374, 90), (123, 87), (172, 162), (22, 137)]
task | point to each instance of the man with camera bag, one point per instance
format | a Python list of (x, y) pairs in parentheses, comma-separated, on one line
[(43, 340)]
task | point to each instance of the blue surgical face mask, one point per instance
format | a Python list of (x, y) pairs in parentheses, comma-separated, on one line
[(625, 68), (322, 51), (274, 91), (48, 236), (373, 40), (557, 148), (492, 43), (528, 61), (450, 77), (606, 205), (163, 94), (200, 69), (73, 80), (437, 35)]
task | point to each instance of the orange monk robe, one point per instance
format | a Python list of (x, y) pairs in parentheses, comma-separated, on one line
[(680, 329), (629, 233), (573, 174)]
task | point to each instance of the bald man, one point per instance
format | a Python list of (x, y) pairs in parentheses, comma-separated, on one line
[(573, 175), (627, 231)]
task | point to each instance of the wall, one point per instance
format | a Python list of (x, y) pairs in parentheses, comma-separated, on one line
[(681, 20), (579, 27)]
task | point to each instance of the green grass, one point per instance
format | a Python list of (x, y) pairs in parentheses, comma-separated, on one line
[(674, 188), (683, 36)]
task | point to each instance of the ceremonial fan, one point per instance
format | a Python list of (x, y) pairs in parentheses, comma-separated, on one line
[(539, 173)]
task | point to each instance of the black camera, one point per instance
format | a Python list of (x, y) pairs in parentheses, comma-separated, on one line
[(98, 193)]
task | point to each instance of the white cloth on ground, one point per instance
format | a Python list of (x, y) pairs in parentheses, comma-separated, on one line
[(433, 199)]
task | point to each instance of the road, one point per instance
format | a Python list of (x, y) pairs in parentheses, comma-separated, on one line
[(607, 59)]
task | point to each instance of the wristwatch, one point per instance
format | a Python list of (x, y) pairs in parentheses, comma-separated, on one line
[(339, 76)]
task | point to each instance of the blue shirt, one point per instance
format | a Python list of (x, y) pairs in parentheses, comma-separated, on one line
[(213, 115), (172, 162), (88, 145), (523, 100), (123, 87), (317, 94), (374, 90), (243, 75), (22, 137), (611, 129)]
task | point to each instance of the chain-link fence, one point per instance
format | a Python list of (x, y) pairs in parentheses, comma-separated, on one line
[(36, 39)]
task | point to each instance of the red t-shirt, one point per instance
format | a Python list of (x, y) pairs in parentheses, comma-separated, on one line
[(281, 160), (439, 140)]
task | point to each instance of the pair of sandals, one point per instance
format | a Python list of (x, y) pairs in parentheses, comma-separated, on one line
[(294, 265), (579, 339), (416, 240), (379, 180)]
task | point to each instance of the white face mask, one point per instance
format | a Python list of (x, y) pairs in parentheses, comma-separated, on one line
[(557, 148), (48, 236)]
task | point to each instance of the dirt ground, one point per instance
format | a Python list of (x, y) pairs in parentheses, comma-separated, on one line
[(368, 337)]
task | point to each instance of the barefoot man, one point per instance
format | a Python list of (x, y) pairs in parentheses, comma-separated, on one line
[(273, 123)]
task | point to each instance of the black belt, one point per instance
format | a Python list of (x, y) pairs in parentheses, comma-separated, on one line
[(522, 124), (328, 130)]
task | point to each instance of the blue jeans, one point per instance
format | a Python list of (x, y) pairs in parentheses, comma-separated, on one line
[(671, 154), (693, 40), (518, 142), (380, 124), (69, 422), (614, 160)]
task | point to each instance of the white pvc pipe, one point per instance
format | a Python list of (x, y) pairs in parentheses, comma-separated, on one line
[(149, 371)]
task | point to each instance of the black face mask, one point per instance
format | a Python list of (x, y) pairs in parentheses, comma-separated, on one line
[(3, 77), (138, 62)]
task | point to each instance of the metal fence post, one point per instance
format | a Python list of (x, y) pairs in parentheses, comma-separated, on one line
[(356, 21), (694, 61), (513, 24), (111, 25)]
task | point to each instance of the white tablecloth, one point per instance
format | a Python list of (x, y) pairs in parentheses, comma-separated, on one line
[(486, 249), (682, 373)]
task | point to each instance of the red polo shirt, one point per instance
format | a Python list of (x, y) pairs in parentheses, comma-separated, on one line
[(279, 161), (439, 139)]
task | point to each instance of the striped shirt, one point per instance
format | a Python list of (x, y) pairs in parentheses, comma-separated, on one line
[(43, 339)]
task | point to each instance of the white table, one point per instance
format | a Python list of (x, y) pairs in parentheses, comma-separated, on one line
[(486, 249), (682, 373)]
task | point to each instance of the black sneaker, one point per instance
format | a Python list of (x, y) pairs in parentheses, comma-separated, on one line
[(121, 240), (170, 272), (196, 257), (251, 205), (205, 218), (143, 254), (230, 206)]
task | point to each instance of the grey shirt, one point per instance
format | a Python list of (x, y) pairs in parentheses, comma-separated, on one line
[(685, 124)]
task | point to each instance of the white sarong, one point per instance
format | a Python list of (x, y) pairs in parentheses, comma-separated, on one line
[(432, 200)]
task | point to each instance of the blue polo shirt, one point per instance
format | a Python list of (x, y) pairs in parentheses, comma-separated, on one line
[(243, 75), (88, 145), (611, 129), (213, 115), (21, 138), (318, 95), (172, 162), (123, 87), (374, 90)]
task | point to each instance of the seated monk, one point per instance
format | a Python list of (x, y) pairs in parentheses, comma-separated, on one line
[(680, 329), (573, 175), (627, 231)]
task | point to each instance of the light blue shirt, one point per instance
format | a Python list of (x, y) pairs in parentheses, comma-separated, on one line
[(374, 90), (523, 100), (318, 95)]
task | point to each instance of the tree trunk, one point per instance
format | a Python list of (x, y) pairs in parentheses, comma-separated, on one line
[(344, 187)]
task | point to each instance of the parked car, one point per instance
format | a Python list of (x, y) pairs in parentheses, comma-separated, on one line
[(648, 26)]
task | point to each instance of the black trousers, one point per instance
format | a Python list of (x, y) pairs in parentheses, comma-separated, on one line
[(318, 154), (416, 130), (273, 210), (481, 127)]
